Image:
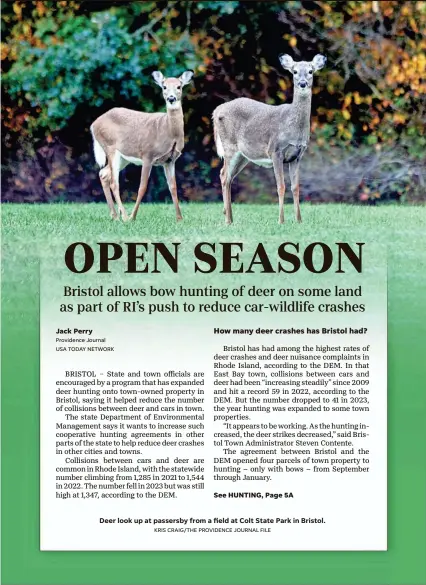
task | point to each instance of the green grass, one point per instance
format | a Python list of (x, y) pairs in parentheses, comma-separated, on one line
[(206, 220), (387, 223), (32, 232)]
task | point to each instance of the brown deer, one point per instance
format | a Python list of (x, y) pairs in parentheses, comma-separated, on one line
[(122, 136), (249, 131)]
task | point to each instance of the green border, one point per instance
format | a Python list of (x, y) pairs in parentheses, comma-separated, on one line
[(403, 563)]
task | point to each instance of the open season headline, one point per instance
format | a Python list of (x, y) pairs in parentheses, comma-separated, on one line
[(224, 257)]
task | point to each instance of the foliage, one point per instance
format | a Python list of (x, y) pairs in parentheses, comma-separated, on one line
[(65, 62), (379, 75)]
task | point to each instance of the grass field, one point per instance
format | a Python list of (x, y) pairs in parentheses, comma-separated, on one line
[(34, 232), (205, 220), (386, 224), (31, 232)]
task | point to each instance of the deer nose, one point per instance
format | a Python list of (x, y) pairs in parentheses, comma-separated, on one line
[(171, 99), (303, 84)]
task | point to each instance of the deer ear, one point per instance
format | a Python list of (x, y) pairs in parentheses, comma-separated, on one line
[(318, 62), (186, 76), (158, 78), (287, 62)]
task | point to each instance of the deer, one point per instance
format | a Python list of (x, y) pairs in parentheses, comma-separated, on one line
[(122, 136), (246, 130)]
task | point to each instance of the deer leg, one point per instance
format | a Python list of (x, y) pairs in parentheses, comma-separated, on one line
[(105, 177), (294, 178), (169, 171), (279, 178), (227, 201), (115, 185), (146, 171), (223, 176), (230, 170)]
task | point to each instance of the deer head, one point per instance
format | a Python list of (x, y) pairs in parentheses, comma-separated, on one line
[(303, 71), (172, 87)]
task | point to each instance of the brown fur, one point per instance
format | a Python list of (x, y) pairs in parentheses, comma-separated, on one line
[(246, 131), (144, 138)]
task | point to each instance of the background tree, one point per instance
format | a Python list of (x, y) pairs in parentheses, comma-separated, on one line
[(65, 62)]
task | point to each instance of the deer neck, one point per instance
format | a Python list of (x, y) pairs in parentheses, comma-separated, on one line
[(301, 115), (176, 127)]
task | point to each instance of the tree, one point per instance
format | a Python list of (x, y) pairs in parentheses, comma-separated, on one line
[(66, 62)]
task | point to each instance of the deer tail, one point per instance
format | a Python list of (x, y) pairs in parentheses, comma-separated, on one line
[(100, 155), (217, 140)]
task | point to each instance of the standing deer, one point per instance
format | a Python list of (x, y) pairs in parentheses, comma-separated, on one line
[(122, 136), (249, 131)]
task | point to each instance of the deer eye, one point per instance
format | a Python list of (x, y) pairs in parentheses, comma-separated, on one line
[(296, 72), (164, 86), (310, 71)]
